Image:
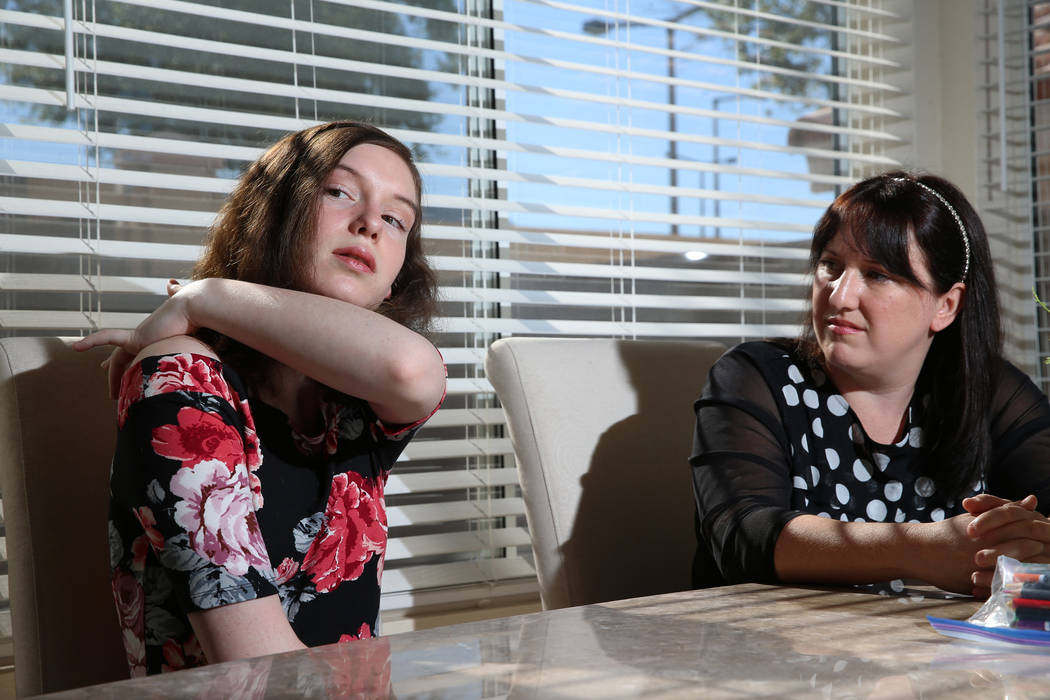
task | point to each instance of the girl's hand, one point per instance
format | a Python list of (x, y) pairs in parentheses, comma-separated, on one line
[(169, 320)]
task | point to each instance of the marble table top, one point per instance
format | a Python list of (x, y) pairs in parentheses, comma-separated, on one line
[(747, 640)]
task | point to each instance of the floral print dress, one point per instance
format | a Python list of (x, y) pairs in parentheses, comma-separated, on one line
[(216, 500)]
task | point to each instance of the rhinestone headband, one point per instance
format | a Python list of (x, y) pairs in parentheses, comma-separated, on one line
[(955, 215)]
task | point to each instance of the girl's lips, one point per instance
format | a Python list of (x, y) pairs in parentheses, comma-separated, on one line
[(356, 258), (843, 327)]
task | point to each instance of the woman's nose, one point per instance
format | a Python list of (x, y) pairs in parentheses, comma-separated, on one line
[(845, 290)]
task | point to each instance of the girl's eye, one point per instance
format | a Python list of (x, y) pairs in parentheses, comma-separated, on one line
[(394, 221), (877, 275), (337, 193)]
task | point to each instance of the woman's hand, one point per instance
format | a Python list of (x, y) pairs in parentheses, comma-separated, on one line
[(1013, 528), (943, 554), (169, 320)]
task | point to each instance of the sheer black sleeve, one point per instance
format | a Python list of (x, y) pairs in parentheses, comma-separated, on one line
[(741, 467), (1020, 425)]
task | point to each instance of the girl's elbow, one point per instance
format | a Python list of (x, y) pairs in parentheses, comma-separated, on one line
[(420, 382)]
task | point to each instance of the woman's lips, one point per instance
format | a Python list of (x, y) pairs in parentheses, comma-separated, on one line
[(841, 326), (356, 258)]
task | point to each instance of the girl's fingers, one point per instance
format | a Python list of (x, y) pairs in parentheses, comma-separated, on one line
[(107, 336), (173, 287)]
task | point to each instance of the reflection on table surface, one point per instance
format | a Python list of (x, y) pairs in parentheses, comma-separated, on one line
[(727, 642)]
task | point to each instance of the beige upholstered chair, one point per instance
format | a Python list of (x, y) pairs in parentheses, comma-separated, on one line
[(57, 433), (602, 430)]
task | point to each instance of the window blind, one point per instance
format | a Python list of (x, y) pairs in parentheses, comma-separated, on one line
[(590, 170), (1018, 152)]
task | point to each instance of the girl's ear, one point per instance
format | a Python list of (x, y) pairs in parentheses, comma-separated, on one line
[(948, 306)]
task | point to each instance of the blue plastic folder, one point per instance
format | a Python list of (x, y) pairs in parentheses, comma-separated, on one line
[(1008, 616), (962, 629)]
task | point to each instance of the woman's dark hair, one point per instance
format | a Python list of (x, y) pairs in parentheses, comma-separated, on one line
[(264, 230), (878, 217)]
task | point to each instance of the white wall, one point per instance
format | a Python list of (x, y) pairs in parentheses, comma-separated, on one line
[(951, 90)]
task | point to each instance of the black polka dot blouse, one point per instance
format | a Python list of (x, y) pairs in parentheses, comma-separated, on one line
[(775, 440)]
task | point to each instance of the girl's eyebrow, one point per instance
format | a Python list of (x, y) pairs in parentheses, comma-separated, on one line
[(399, 197)]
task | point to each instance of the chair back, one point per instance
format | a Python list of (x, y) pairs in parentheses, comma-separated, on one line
[(602, 430), (57, 433)]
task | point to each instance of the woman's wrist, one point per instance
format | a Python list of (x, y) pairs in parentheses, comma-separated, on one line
[(913, 552)]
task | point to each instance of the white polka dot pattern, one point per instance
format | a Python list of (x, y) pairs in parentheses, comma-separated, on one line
[(861, 471), (837, 405), (809, 397), (877, 483), (924, 486)]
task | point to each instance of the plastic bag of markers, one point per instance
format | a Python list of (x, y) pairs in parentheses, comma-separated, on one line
[(1016, 613)]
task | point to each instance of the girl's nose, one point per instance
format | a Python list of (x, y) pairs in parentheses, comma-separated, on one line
[(368, 224)]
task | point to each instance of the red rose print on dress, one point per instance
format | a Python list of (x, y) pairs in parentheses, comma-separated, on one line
[(252, 454), (216, 510), (286, 569), (354, 530), (326, 442), (139, 550), (187, 655), (183, 372), (131, 607), (199, 436), (252, 451), (130, 392), (149, 525)]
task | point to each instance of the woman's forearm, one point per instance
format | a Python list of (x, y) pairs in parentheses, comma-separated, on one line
[(820, 550), (346, 347)]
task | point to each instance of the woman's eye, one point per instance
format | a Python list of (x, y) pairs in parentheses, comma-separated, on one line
[(827, 266), (877, 275), (394, 221)]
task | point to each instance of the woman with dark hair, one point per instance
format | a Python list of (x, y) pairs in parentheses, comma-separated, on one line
[(265, 405), (869, 449)]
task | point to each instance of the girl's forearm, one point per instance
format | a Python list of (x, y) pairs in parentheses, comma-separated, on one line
[(346, 347)]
